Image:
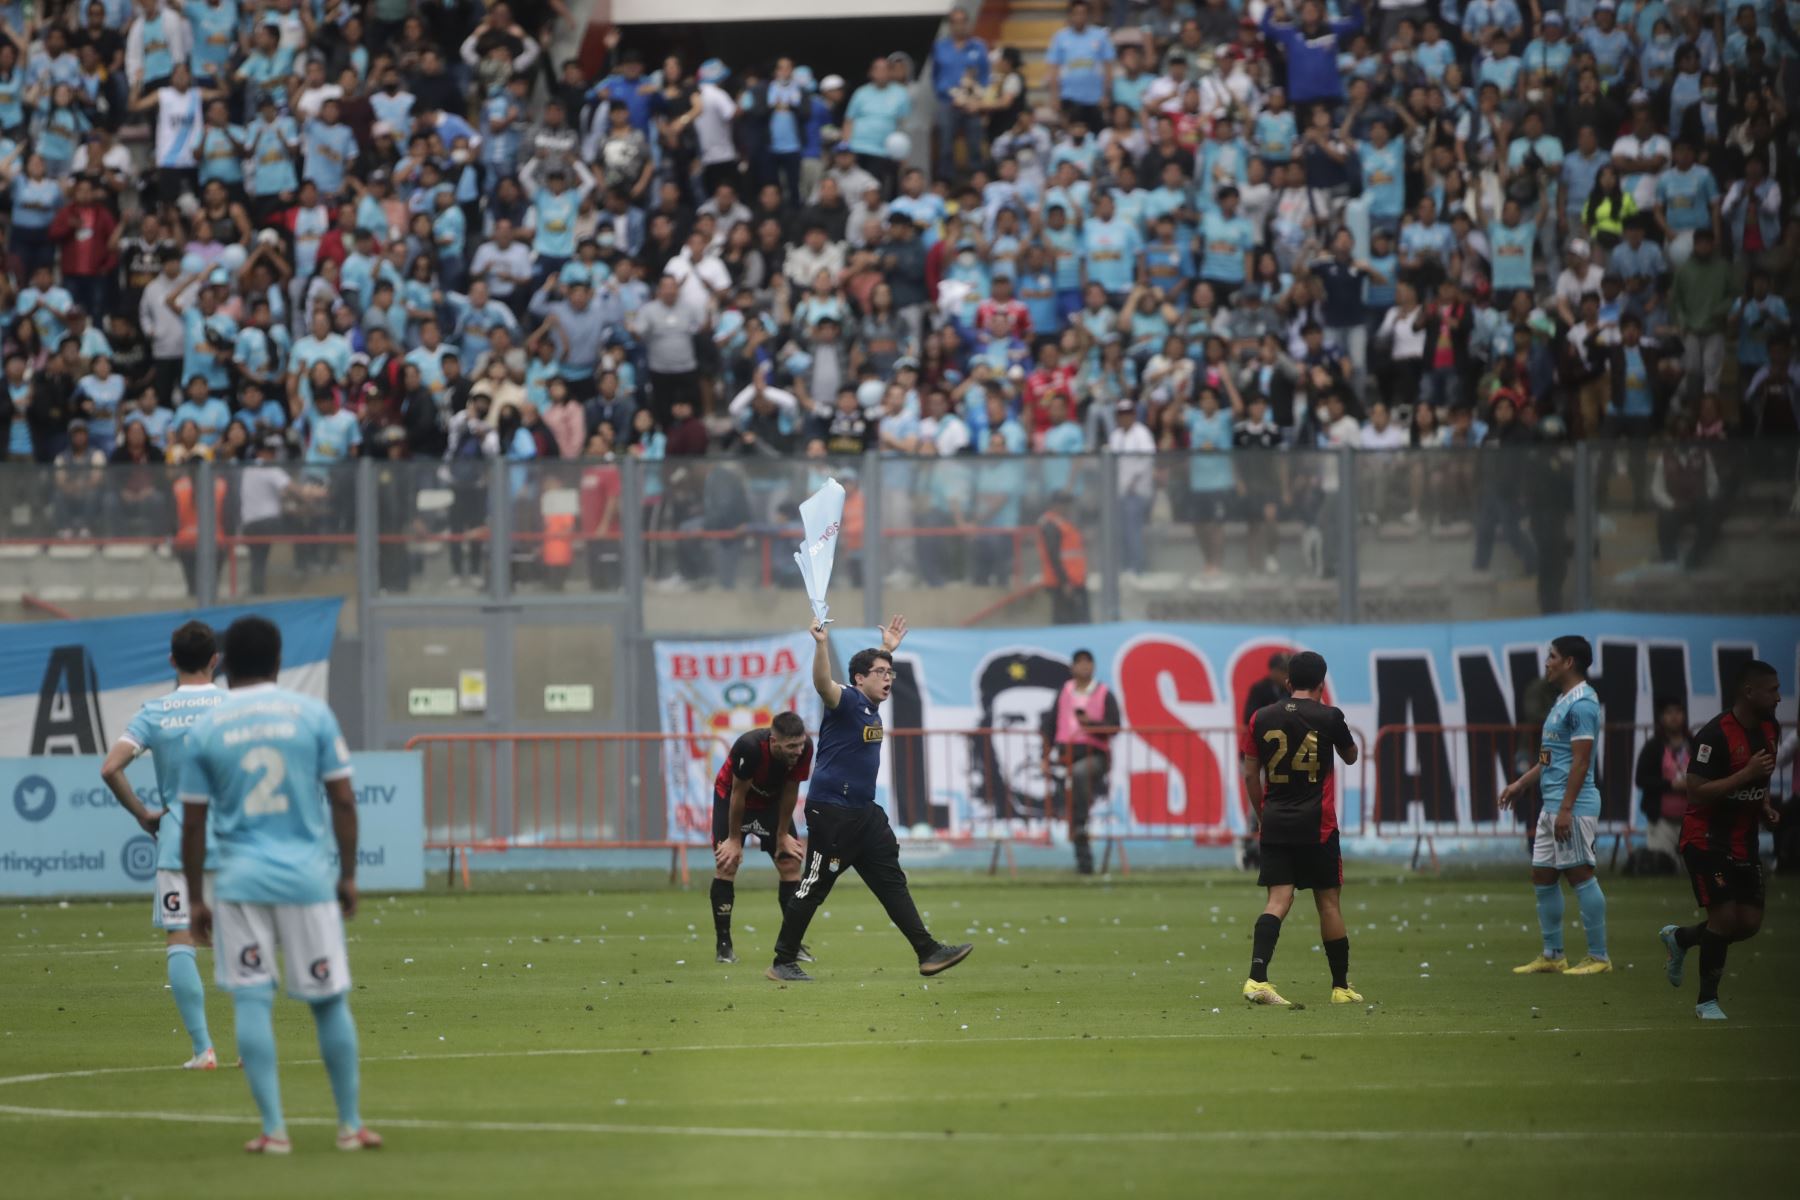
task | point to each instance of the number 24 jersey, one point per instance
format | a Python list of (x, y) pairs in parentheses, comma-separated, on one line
[(1294, 741)]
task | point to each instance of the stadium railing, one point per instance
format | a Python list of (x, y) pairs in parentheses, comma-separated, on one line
[(1436, 781), (499, 792), (995, 788)]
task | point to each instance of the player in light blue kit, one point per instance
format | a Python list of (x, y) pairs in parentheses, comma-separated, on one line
[(274, 769), (160, 728), (1565, 829)]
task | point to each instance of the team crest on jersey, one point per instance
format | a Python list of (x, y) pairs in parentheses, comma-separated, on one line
[(1704, 753), (873, 733), (250, 957), (320, 969)]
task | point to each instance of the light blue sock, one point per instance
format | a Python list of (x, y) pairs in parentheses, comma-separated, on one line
[(1550, 917), (1593, 914), (337, 1046), (190, 996), (256, 1046)]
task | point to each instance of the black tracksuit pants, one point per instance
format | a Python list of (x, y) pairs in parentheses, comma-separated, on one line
[(839, 837)]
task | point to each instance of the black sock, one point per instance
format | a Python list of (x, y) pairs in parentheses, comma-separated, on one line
[(788, 888), (723, 894), (1337, 954), (1688, 936), (1712, 963), (1262, 947)]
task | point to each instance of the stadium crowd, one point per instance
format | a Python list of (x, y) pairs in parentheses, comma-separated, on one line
[(313, 229)]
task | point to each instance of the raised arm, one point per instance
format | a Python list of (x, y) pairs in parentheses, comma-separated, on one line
[(829, 690)]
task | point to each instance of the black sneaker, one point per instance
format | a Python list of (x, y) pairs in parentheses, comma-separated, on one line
[(944, 957), (724, 953), (788, 973), (805, 955)]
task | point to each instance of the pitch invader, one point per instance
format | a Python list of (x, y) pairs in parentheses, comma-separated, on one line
[(272, 766), (160, 730), (1290, 744), (1564, 847), (1728, 795), (845, 828), (754, 795)]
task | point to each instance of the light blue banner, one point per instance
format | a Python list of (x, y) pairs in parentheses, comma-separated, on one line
[(1411, 692), (63, 834), (70, 687)]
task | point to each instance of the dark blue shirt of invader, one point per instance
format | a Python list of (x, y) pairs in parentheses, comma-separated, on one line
[(849, 752)]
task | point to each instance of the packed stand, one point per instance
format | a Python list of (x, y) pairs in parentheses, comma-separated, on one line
[(291, 233)]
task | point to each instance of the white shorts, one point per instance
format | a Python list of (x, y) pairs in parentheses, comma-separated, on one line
[(1578, 851), (309, 936), (169, 907)]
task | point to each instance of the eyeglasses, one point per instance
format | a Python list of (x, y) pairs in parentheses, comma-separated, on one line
[(881, 673)]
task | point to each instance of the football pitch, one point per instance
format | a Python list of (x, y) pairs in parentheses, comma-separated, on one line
[(552, 1039)]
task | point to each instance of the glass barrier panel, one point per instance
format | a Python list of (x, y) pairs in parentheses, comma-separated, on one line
[(1697, 526), (431, 522), (1463, 533), (566, 521), (719, 541), (288, 528)]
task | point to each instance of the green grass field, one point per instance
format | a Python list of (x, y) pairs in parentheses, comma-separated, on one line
[(562, 1041)]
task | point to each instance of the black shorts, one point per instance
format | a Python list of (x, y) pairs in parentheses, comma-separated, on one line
[(1302, 865), (759, 823), (1721, 879)]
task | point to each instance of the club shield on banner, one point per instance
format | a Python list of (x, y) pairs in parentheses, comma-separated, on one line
[(821, 515), (1424, 699), (63, 834), (70, 687), (710, 693)]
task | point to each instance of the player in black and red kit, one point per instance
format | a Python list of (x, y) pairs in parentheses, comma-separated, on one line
[(1290, 743), (755, 793), (1728, 799)]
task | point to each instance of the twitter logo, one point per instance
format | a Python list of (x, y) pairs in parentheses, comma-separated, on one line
[(34, 797)]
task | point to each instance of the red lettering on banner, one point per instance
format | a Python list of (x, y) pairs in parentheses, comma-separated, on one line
[(685, 666), (751, 665), (785, 663), (1141, 671)]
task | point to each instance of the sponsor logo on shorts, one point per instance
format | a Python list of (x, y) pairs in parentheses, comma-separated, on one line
[(171, 902), (832, 866), (320, 969), (250, 957)]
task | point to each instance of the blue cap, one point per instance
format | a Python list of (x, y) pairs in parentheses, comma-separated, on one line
[(713, 70)]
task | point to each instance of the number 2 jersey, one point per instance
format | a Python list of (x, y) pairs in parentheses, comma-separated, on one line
[(1295, 741), (1730, 824), (751, 761), (261, 759)]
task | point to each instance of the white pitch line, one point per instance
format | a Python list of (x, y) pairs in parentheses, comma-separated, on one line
[(884, 1043), (928, 1135)]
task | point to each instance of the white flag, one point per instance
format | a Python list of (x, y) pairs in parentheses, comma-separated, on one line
[(820, 515)]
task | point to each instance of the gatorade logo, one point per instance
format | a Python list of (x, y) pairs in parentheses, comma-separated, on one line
[(34, 798), (171, 902), (250, 957), (320, 969)]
